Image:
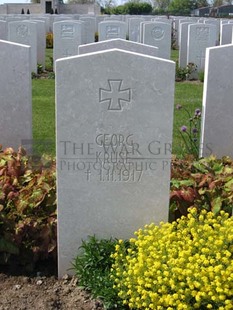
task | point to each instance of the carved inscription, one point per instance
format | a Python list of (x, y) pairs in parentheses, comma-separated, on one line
[(202, 33), (114, 158), (157, 33), (22, 31), (112, 32), (67, 31), (115, 95)]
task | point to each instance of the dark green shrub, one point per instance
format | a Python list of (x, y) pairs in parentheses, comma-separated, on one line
[(201, 76), (39, 69), (183, 73), (93, 269)]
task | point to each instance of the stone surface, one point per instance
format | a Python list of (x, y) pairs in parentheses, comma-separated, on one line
[(215, 22), (67, 36), (3, 30), (217, 118), (89, 29), (183, 43), (134, 28), (25, 32), (15, 94), (120, 44), (41, 40), (226, 34), (158, 34), (114, 133), (200, 36), (111, 29)]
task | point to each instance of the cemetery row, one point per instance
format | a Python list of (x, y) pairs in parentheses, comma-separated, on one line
[(191, 35), (114, 132)]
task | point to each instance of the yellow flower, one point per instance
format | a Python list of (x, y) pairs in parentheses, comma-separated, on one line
[(192, 258)]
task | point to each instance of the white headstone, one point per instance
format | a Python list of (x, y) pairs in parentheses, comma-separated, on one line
[(15, 94), (67, 36), (44, 19), (3, 30), (25, 32), (183, 44), (200, 36), (113, 146), (158, 34), (134, 29), (217, 112), (112, 30), (226, 34), (89, 29), (215, 22), (120, 44), (41, 41)]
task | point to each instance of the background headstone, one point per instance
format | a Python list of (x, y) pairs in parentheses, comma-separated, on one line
[(158, 34), (111, 29), (183, 43), (114, 133), (89, 29), (25, 32), (15, 94), (226, 34), (200, 36), (120, 44), (67, 36), (41, 41), (134, 29), (3, 30), (217, 112)]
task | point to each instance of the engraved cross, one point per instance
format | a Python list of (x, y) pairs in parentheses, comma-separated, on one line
[(114, 95)]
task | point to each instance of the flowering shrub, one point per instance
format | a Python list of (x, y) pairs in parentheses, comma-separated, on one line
[(49, 40), (185, 72), (186, 264), (191, 134)]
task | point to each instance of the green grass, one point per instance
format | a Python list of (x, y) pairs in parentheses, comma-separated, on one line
[(188, 94), (43, 110), (174, 55), (49, 59)]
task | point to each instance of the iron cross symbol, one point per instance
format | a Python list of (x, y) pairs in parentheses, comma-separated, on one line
[(115, 95)]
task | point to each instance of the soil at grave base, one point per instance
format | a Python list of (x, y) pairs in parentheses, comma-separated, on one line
[(20, 292)]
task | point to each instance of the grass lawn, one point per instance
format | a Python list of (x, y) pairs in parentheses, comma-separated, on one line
[(188, 94), (43, 111)]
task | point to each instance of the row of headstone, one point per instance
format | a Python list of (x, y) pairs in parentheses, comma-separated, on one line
[(195, 37), (101, 189), (217, 113), (113, 139), (15, 94), (69, 34), (128, 19)]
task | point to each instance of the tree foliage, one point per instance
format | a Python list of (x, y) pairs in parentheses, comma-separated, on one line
[(181, 7), (131, 8), (178, 7)]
